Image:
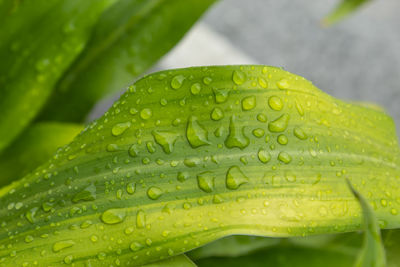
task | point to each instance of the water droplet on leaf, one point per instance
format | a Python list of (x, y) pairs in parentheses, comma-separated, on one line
[(235, 178), (166, 140), (280, 124), (113, 216), (58, 246), (238, 77), (177, 81), (154, 192), (196, 134), (120, 128), (248, 103), (205, 181), (236, 137)]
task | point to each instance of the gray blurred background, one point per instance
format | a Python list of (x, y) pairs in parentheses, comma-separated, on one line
[(357, 59)]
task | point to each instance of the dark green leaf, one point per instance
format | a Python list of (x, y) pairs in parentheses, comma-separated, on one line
[(233, 246), (34, 147), (281, 256), (38, 41), (129, 38)]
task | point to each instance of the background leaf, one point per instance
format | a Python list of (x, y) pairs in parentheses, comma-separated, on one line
[(373, 252), (345, 8), (38, 41), (280, 256), (233, 246), (191, 155), (129, 38), (391, 239), (33, 148)]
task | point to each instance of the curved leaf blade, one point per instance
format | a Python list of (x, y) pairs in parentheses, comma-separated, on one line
[(191, 155), (373, 252), (33, 148), (129, 38)]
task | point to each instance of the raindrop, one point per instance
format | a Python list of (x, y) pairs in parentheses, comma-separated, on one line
[(205, 181), (299, 133), (217, 114), (236, 137), (28, 239), (282, 139), (120, 128), (68, 259), (133, 151), (130, 188), (258, 132), (140, 219), (154, 192), (146, 113), (87, 194), (275, 103), (113, 216), (262, 82), (30, 214), (177, 81), (195, 88), (283, 84), (248, 103), (165, 139), (280, 124), (182, 176), (235, 178), (207, 80), (196, 134), (58, 246), (263, 155), (238, 77), (221, 95), (284, 157), (262, 117), (136, 246)]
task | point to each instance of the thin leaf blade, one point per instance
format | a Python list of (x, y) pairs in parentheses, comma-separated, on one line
[(128, 40), (373, 252), (345, 8)]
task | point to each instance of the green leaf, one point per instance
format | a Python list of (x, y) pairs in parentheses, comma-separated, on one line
[(129, 38), (191, 155), (303, 250), (177, 261), (33, 148), (391, 240), (373, 252), (233, 246), (282, 256), (345, 8), (38, 41)]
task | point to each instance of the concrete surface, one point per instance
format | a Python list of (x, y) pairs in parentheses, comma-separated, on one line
[(357, 59)]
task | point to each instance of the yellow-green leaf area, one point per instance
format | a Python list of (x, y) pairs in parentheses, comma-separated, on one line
[(260, 184)]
